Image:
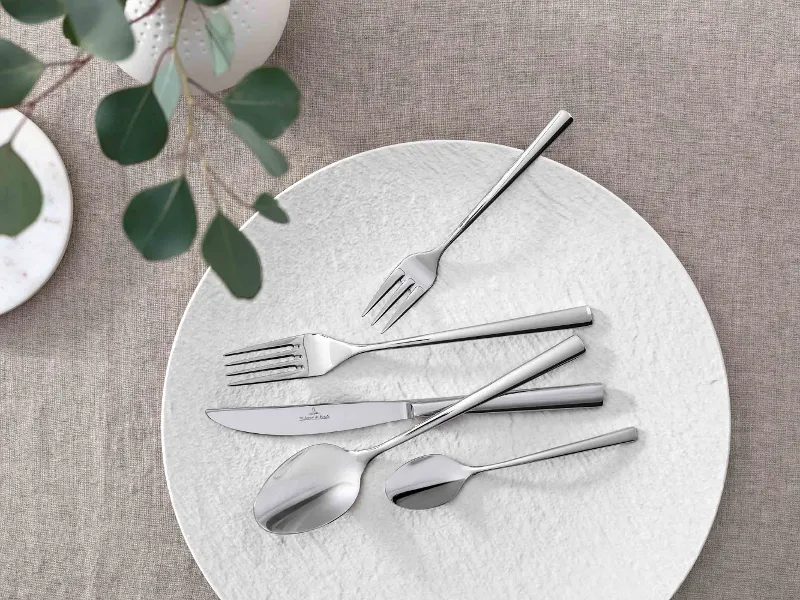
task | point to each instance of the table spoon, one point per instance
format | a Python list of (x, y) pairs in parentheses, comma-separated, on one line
[(319, 484), (432, 480)]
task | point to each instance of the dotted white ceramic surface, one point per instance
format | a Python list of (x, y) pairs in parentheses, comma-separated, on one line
[(622, 523), (29, 259), (257, 25)]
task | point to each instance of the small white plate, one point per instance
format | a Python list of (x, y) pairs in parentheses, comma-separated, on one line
[(28, 260)]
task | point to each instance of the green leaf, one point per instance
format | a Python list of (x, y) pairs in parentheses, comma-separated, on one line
[(269, 207), (33, 11), (161, 221), (20, 194), (232, 257), (19, 72), (167, 87), (131, 126), (271, 158), (69, 32), (220, 40), (266, 99), (101, 28), (211, 2)]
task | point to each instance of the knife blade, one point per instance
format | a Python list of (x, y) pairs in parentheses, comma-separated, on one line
[(309, 419)]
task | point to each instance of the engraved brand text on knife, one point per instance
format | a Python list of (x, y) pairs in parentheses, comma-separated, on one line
[(314, 416)]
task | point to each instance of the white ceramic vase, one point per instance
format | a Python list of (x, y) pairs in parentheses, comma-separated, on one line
[(257, 24)]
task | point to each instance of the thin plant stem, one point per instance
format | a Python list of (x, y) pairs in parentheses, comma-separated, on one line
[(187, 91), (214, 97), (164, 52), (77, 65), (209, 176), (28, 107), (226, 188), (153, 8)]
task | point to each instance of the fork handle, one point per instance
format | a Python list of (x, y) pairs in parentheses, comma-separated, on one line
[(548, 135), (550, 321), (569, 396)]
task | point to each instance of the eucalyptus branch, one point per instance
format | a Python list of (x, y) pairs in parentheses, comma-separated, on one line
[(160, 59), (209, 175), (28, 107), (153, 8), (214, 97), (226, 188), (77, 65)]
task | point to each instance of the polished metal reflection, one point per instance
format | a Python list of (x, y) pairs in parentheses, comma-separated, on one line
[(433, 480), (319, 484), (313, 354), (416, 273), (309, 419)]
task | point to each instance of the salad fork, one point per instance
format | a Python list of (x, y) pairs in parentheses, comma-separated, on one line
[(313, 354), (416, 273)]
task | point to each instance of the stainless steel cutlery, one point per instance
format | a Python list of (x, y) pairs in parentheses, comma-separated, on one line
[(435, 479), (313, 354), (416, 273), (325, 418), (320, 483)]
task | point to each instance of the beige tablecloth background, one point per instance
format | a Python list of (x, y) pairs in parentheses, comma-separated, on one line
[(686, 109)]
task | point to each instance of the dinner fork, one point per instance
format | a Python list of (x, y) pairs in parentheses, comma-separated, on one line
[(313, 354), (416, 273)]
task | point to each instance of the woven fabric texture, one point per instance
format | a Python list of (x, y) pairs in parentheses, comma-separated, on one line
[(685, 109)]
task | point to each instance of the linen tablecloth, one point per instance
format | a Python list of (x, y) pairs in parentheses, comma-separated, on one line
[(685, 109)]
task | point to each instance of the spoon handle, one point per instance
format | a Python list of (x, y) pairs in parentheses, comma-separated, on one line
[(546, 361), (623, 436)]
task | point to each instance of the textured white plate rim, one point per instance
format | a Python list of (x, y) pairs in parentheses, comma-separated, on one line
[(70, 206), (653, 232)]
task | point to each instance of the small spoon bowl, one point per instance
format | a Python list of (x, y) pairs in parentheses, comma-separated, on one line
[(427, 482)]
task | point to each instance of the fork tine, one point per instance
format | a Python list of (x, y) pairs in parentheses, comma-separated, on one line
[(299, 373), (247, 361), (294, 361), (273, 345), (388, 284), (398, 293), (403, 306)]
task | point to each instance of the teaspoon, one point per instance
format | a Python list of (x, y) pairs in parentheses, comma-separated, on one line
[(432, 480), (319, 484)]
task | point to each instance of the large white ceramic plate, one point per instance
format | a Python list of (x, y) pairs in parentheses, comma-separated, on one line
[(620, 523), (29, 259)]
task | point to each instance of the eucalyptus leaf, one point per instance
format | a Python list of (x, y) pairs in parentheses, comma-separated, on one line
[(211, 2), (220, 41), (33, 11), (131, 125), (167, 87), (19, 72), (231, 255), (69, 32), (271, 158), (161, 221), (20, 193), (101, 28), (266, 99), (269, 207)]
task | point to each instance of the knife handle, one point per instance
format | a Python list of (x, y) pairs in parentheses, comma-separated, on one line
[(568, 396)]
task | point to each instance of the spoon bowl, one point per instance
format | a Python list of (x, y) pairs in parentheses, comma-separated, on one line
[(314, 487), (427, 482)]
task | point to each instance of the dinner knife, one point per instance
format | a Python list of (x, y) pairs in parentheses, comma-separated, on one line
[(307, 419)]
